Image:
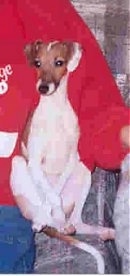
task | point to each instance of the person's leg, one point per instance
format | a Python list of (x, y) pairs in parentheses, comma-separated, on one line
[(17, 247), (121, 216)]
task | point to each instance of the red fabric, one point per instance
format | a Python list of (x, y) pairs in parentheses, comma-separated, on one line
[(21, 97), (92, 89), (105, 149)]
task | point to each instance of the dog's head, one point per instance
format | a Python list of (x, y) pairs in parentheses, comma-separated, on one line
[(52, 61)]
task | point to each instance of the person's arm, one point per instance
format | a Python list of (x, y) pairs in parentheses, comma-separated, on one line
[(125, 135)]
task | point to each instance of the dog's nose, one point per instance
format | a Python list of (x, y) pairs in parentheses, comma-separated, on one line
[(43, 88)]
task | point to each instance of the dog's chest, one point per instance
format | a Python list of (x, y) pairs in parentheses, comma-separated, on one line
[(55, 127)]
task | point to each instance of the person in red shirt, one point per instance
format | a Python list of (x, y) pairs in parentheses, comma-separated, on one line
[(92, 92), (17, 99)]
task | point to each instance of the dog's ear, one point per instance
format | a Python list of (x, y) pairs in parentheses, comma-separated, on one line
[(31, 50), (76, 53), (28, 52)]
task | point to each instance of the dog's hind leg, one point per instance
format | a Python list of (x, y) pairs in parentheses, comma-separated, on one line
[(28, 198), (105, 233), (82, 179)]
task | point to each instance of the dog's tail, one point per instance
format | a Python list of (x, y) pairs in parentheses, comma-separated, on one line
[(53, 233)]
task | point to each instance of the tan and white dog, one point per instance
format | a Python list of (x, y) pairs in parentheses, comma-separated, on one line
[(49, 181)]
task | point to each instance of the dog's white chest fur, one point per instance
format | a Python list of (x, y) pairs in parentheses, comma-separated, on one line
[(54, 131)]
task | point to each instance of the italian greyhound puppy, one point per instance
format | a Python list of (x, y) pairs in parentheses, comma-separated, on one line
[(49, 181)]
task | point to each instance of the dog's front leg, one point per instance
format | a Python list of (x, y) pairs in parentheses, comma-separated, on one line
[(36, 149), (44, 187), (41, 181)]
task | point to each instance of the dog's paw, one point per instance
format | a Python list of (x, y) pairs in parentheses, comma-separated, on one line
[(69, 230), (37, 227), (106, 233), (41, 218)]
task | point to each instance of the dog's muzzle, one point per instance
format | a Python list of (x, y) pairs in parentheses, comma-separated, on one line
[(45, 88)]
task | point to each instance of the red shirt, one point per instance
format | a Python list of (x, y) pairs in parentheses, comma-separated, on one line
[(92, 89), (17, 95)]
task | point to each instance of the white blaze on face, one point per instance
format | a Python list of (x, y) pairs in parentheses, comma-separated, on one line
[(51, 44), (51, 87), (7, 143)]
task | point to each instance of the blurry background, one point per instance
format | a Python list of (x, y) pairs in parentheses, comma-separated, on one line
[(109, 22)]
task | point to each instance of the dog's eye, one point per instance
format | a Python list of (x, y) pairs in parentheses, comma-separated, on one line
[(37, 63), (59, 63)]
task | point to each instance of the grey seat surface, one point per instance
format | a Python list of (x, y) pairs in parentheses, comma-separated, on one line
[(57, 257)]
